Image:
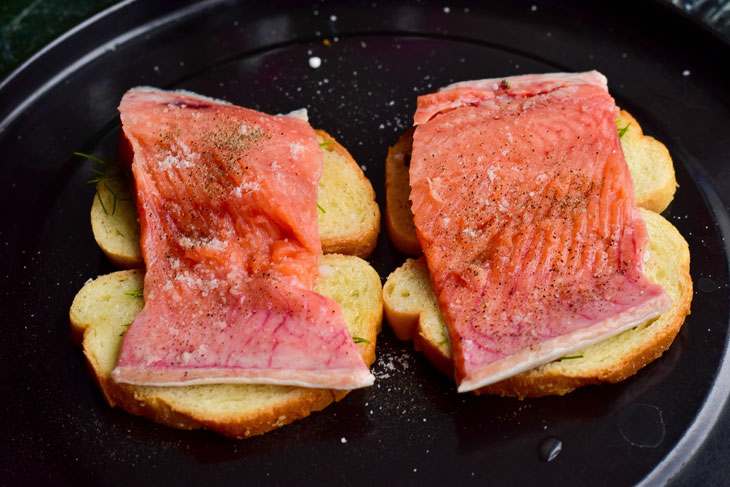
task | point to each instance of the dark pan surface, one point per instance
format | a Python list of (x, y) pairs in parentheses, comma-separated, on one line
[(411, 427)]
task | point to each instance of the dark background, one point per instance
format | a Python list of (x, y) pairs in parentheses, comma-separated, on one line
[(26, 25), (24, 28)]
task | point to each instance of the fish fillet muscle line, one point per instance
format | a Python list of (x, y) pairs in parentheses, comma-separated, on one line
[(227, 207), (524, 207)]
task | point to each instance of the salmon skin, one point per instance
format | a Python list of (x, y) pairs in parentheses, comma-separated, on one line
[(227, 201), (525, 211)]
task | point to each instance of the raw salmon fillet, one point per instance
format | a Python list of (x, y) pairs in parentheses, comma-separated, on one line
[(524, 208), (227, 201)]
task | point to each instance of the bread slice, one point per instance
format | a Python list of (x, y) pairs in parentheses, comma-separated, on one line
[(114, 221), (349, 217), (101, 311), (650, 165), (398, 214), (649, 162), (412, 311)]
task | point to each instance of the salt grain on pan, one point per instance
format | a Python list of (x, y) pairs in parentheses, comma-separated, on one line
[(447, 10), (686, 72), (315, 62), (343, 440)]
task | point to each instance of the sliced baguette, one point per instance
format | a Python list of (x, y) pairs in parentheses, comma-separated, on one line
[(649, 162), (101, 311), (114, 221), (412, 311), (349, 217), (398, 214)]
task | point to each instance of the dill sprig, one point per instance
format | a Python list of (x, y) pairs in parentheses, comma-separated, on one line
[(325, 144), (570, 357), (444, 341), (137, 293), (110, 174), (360, 340), (623, 130), (321, 209), (125, 326)]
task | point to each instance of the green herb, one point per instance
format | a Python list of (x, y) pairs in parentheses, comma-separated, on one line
[(109, 175), (444, 341), (137, 293), (570, 357), (360, 340), (95, 159), (506, 84), (622, 131), (125, 329), (325, 144), (321, 209)]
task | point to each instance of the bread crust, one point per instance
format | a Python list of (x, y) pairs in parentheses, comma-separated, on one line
[(668, 265), (98, 316), (398, 214), (648, 159)]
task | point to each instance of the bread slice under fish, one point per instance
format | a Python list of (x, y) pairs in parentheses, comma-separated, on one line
[(412, 311), (649, 162), (348, 216), (104, 307), (349, 220)]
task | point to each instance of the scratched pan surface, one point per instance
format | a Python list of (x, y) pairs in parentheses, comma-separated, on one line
[(412, 427)]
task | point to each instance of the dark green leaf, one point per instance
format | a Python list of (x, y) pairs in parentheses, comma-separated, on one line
[(570, 357)]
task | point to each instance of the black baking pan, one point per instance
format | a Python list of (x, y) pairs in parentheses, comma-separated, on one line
[(669, 423)]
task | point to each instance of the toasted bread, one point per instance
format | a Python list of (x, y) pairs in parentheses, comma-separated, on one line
[(349, 217), (649, 162), (650, 165), (412, 311), (101, 311)]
